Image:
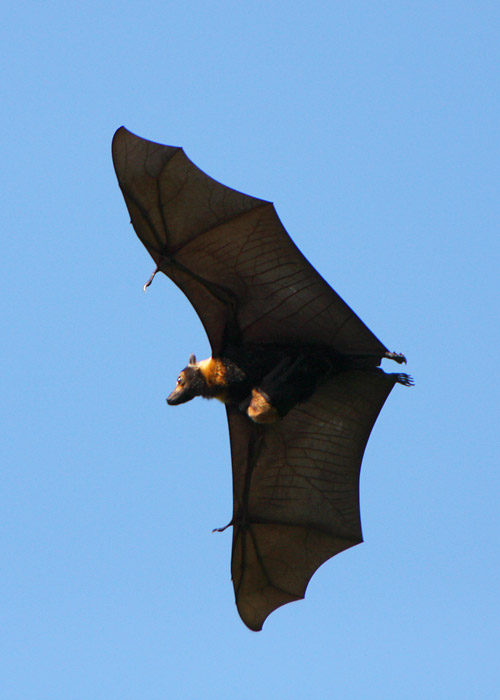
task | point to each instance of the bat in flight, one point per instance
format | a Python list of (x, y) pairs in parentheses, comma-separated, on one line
[(297, 370)]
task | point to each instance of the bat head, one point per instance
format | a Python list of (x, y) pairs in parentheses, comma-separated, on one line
[(190, 383)]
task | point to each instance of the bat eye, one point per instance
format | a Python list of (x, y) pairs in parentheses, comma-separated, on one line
[(180, 380)]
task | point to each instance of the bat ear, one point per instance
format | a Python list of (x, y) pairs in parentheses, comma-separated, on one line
[(192, 359)]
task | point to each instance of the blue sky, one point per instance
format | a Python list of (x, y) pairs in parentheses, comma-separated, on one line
[(374, 128)]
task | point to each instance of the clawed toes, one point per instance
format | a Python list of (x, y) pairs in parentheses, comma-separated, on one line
[(397, 357), (405, 380)]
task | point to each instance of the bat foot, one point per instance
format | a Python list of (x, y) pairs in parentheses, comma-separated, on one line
[(405, 379), (396, 356), (221, 529)]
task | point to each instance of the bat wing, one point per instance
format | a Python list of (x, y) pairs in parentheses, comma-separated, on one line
[(231, 256), (296, 490)]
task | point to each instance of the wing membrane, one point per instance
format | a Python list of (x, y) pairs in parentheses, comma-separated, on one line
[(231, 255), (296, 490)]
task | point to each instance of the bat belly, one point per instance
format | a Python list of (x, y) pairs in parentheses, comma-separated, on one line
[(276, 379)]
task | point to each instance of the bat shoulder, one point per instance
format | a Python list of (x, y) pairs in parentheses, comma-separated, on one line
[(221, 372)]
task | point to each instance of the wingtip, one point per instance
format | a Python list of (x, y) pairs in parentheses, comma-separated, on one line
[(252, 627), (118, 132), (254, 613), (116, 142), (254, 619), (122, 133)]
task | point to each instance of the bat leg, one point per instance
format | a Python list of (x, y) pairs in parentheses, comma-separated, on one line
[(396, 356), (287, 374), (281, 370), (260, 404), (282, 374), (288, 383)]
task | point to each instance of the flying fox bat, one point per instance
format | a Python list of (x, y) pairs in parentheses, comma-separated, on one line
[(297, 370)]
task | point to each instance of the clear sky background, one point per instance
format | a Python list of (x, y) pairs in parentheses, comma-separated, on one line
[(374, 128)]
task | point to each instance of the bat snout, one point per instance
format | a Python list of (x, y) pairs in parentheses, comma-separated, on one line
[(173, 399), (178, 396)]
